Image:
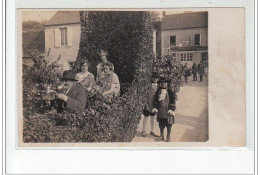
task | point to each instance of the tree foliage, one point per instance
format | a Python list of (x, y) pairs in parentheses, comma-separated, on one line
[(126, 36), (29, 25)]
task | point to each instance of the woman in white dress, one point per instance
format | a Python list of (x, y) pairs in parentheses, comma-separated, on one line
[(85, 77)]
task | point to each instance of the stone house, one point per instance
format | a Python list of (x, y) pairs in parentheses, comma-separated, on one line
[(185, 37), (62, 36)]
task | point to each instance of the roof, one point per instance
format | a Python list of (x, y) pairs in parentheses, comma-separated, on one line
[(64, 17), (185, 20), (33, 39)]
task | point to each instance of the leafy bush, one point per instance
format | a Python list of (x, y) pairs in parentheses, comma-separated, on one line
[(126, 36), (166, 67), (34, 80)]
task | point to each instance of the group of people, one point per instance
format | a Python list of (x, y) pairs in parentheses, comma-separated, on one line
[(200, 69), (160, 97), (160, 102), (75, 85)]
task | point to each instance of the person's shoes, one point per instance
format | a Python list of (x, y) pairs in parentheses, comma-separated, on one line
[(168, 140), (160, 139), (143, 134), (154, 135)]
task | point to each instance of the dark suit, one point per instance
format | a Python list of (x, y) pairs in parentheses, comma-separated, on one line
[(77, 99), (194, 72), (165, 120), (201, 71), (164, 106)]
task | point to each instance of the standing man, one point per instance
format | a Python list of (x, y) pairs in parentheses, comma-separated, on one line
[(164, 106), (194, 72), (201, 71), (186, 73)]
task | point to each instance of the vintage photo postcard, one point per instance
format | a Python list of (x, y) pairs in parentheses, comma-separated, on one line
[(143, 78)]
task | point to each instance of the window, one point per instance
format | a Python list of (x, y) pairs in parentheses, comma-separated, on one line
[(197, 40), (186, 56), (64, 36), (173, 41), (189, 56)]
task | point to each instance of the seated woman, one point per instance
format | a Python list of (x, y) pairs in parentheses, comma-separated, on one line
[(85, 77), (100, 73), (110, 83)]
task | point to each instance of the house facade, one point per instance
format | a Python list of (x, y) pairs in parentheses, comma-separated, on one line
[(185, 37), (62, 36)]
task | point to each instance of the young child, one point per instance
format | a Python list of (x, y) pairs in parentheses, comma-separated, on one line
[(147, 112), (164, 106)]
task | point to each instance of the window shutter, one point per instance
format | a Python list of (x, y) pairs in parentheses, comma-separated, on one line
[(200, 40), (57, 37), (192, 40), (177, 40), (69, 36)]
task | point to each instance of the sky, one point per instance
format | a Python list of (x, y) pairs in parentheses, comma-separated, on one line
[(37, 15)]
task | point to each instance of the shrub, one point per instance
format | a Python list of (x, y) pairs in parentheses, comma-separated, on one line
[(34, 79)]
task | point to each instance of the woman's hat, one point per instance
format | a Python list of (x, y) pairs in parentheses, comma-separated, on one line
[(164, 79), (69, 75)]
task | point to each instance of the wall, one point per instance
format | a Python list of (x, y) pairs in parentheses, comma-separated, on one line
[(68, 53), (184, 35)]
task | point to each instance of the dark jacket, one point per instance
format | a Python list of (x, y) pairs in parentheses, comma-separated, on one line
[(163, 106), (201, 69), (149, 103), (77, 99), (194, 69)]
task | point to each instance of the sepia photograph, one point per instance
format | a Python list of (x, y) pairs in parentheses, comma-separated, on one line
[(113, 87), (114, 76)]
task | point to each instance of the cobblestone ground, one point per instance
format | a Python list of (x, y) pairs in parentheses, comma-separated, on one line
[(191, 120)]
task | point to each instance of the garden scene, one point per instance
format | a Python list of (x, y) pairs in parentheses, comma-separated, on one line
[(103, 111)]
